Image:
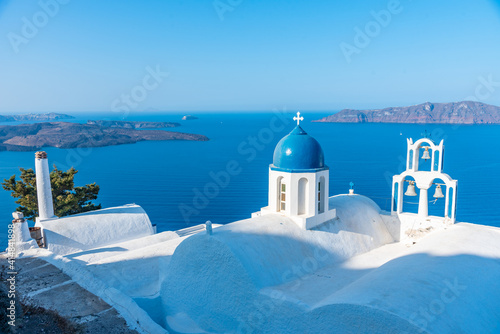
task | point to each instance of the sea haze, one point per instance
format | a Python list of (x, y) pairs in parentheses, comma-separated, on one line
[(166, 178)]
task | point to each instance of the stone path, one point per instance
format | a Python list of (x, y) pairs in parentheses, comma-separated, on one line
[(42, 284)]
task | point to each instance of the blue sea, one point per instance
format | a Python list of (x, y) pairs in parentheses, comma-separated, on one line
[(184, 183)]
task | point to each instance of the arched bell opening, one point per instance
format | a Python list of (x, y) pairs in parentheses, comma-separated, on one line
[(411, 195), (437, 198), (425, 153)]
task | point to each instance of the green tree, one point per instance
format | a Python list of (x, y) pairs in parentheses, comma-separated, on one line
[(68, 199)]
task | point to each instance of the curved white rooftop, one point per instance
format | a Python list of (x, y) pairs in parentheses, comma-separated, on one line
[(244, 257), (267, 275), (95, 229)]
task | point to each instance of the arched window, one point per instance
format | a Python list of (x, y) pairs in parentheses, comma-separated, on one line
[(303, 192)]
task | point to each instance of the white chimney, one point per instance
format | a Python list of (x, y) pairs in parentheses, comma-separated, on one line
[(21, 239), (43, 187)]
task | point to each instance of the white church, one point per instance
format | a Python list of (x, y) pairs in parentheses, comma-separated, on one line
[(308, 262), (299, 180)]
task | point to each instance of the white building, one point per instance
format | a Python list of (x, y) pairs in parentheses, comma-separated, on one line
[(299, 180)]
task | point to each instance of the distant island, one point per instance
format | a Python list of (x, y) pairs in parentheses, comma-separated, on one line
[(34, 117), (189, 118), (31, 137), (466, 112), (134, 124)]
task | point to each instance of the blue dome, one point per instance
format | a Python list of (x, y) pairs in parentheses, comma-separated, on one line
[(298, 152)]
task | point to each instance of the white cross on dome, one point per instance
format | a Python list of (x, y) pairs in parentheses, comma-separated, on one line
[(298, 118)]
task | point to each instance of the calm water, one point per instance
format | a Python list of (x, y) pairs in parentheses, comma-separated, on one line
[(166, 178)]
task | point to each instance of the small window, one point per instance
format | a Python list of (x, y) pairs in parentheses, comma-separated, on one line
[(282, 197)]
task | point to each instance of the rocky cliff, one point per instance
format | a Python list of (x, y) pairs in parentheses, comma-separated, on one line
[(34, 117), (134, 125), (466, 112)]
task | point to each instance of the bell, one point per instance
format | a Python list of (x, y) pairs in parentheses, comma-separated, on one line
[(411, 189), (426, 155), (439, 192)]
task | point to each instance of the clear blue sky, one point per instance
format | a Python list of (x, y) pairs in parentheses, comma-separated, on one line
[(245, 55)]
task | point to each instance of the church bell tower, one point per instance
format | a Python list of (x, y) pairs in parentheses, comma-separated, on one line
[(299, 180)]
